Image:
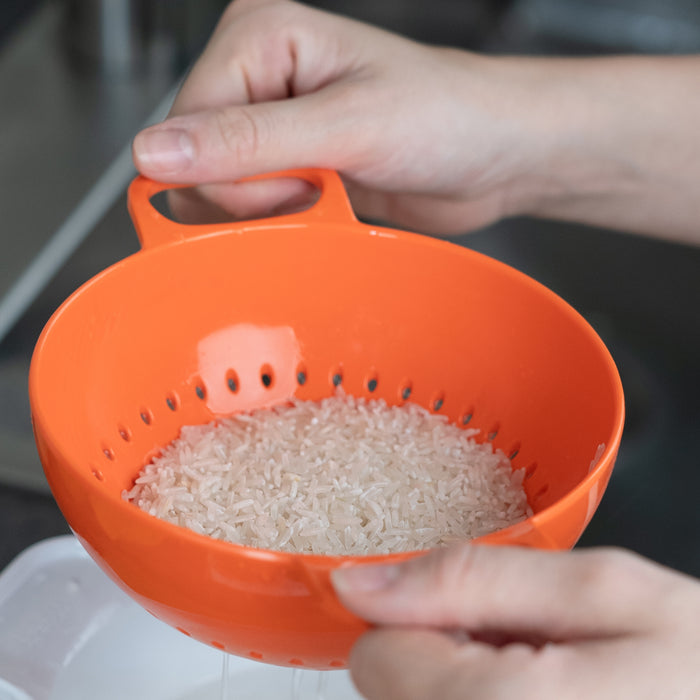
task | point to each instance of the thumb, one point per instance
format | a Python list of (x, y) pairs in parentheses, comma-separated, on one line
[(229, 143), (507, 592)]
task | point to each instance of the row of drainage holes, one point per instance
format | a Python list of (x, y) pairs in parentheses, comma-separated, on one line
[(266, 379), (438, 403)]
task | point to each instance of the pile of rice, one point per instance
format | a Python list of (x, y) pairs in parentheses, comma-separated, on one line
[(339, 476)]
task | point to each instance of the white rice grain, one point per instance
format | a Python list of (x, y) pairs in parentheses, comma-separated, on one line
[(342, 476)]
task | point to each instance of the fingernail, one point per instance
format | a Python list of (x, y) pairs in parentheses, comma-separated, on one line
[(365, 578), (165, 150)]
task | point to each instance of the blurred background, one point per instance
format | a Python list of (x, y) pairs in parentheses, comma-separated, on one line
[(79, 78)]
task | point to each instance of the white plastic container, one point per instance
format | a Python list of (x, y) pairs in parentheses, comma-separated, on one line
[(67, 632)]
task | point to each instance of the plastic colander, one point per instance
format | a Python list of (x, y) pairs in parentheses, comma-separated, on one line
[(206, 321)]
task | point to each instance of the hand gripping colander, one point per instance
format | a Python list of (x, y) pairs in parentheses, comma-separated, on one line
[(208, 320)]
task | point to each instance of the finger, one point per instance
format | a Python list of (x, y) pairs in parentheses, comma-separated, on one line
[(424, 213), (393, 664), (520, 592), (241, 62), (241, 200), (263, 51), (234, 142)]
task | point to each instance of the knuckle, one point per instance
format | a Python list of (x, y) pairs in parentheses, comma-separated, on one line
[(240, 133), (453, 566), (596, 570)]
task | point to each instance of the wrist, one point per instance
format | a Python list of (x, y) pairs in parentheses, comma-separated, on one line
[(536, 133), (606, 141), (569, 131)]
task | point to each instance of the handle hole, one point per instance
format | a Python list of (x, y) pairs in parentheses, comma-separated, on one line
[(237, 201)]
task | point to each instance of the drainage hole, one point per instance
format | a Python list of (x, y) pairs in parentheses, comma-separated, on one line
[(267, 376), (232, 381), (541, 493)]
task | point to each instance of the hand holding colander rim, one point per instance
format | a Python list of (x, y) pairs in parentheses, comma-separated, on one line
[(158, 340)]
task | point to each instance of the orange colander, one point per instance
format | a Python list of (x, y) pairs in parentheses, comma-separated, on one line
[(208, 320)]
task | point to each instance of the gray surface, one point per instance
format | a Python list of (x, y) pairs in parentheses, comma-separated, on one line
[(61, 128), (653, 26), (65, 158), (112, 239)]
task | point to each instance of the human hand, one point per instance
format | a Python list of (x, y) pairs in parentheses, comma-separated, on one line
[(497, 622), (418, 134), (433, 139)]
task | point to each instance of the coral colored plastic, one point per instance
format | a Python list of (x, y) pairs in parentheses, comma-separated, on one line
[(184, 330)]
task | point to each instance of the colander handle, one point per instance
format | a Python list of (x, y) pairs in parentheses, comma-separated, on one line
[(154, 229)]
